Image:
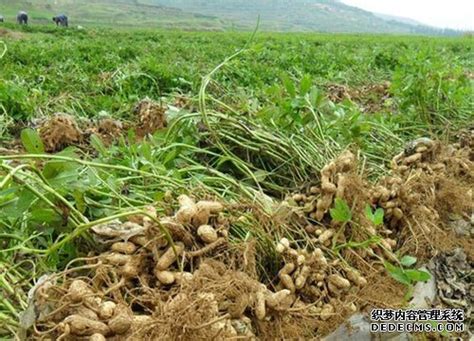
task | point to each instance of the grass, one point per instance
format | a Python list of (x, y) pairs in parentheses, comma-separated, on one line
[(271, 125), (101, 13)]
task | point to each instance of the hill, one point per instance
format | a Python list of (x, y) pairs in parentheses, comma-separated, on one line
[(110, 13), (299, 15), (276, 15)]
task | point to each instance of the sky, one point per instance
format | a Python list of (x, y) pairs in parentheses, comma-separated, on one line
[(458, 14)]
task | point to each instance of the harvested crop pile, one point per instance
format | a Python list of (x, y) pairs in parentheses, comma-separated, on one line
[(107, 129), (143, 286), (60, 131), (185, 276), (426, 188), (14, 35), (371, 98), (150, 117)]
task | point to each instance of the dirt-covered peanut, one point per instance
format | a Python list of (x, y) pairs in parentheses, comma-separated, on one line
[(213, 207), (183, 277), (141, 241), (412, 158), (106, 310), (238, 307), (124, 247), (319, 277), (274, 299), (341, 186), (116, 258), (165, 277), (78, 290), (169, 256), (133, 267), (187, 209), (326, 236), (201, 217), (356, 278), (300, 260), (310, 229), (121, 321), (333, 289), (97, 337), (260, 310), (285, 303), (302, 277), (82, 326), (298, 197), (322, 205), (319, 258), (287, 282), (287, 269), (85, 312), (280, 248), (327, 186), (386, 244), (397, 213), (391, 242), (326, 312), (285, 242), (207, 234), (339, 281)]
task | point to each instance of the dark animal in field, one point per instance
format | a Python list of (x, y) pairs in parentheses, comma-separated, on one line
[(61, 20), (22, 18), (1, 19)]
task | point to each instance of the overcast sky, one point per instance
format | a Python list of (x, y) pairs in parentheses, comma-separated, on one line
[(442, 13)]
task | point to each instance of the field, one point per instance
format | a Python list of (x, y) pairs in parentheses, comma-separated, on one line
[(219, 184)]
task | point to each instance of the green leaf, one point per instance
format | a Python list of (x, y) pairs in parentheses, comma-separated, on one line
[(417, 275), (260, 175), (145, 151), (378, 216), (98, 145), (289, 86), (158, 196), (305, 85), (368, 213), (53, 168), (79, 200), (44, 215), (32, 141), (375, 217), (408, 261), (315, 97), (341, 211), (397, 273)]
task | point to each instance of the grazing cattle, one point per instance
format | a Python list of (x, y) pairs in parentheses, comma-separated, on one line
[(1, 19), (61, 20), (22, 18)]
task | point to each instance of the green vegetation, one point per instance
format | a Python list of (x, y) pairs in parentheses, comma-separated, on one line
[(110, 13), (403, 274), (300, 15), (256, 128), (276, 15)]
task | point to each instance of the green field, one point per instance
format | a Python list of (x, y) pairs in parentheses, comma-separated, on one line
[(250, 122), (110, 13)]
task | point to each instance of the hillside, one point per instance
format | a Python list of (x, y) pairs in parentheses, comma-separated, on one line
[(297, 15), (110, 13), (276, 15)]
